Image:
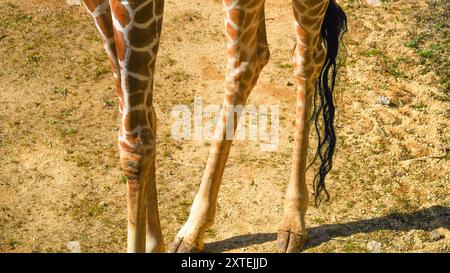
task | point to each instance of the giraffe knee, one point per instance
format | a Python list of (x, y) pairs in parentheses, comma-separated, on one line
[(134, 165), (136, 153)]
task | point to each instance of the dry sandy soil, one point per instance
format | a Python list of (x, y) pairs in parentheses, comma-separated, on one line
[(60, 179)]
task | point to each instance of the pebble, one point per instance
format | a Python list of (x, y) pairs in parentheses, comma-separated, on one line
[(383, 100), (73, 2), (74, 247), (374, 3), (435, 236), (374, 247)]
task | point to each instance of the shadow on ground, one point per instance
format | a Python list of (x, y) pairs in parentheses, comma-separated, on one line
[(426, 219)]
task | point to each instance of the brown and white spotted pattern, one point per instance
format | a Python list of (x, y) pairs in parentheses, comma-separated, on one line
[(248, 53), (131, 32)]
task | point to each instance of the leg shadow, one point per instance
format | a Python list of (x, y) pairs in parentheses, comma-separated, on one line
[(426, 219)]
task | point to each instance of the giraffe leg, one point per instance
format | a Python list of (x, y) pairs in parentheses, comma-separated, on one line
[(101, 14), (308, 58), (247, 53), (132, 47), (137, 28)]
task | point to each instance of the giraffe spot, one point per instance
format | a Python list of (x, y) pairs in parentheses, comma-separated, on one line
[(134, 85), (231, 32), (142, 37), (145, 13), (120, 45), (133, 119), (235, 16), (120, 13), (105, 24), (139, 63), (135, 99)]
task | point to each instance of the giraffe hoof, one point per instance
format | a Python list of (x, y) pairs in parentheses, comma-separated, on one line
[(291, 242), (180, 246)]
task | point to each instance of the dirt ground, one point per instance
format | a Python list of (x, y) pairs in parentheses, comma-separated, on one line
[(60, 179)]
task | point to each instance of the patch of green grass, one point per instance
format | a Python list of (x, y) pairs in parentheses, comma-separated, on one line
[(30, 46), (350, 204), (69, 131), (446, 85), (404, 59), (414, 42), (108, 102), (427, 53), (185, 203), (374, 52), (351, 247), (100, 71), (94, 210), (86, 207), (420, 106), (391, 66), (439, 26), (60, 90), (210, 232), (34, 59), (393, 70), (122, 179), (285, 65)]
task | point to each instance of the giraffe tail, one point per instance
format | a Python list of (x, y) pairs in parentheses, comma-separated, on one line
[(333, 28)]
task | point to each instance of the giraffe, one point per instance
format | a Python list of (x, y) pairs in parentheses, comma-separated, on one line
[(317, 22), (131, 31)]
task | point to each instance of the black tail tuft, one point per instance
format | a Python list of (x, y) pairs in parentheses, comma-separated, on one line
[(333, 27)]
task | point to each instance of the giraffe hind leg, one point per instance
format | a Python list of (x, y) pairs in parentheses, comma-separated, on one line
[(308, 62)]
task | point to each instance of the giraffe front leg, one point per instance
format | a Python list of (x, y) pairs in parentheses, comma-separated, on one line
[(247, 54), (137, 28), (308, 60), (137, 157), (101, 14)]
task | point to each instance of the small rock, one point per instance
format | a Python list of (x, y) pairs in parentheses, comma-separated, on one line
[(103, 204), (374, 247), (383, 100), (435, 236), (374, 3), (74, 247), (73, 2)]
